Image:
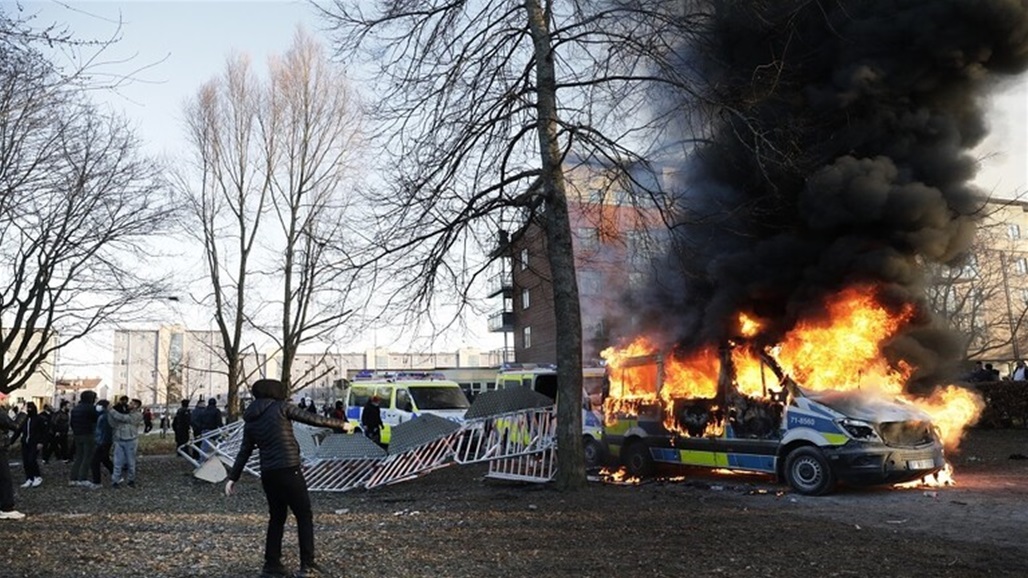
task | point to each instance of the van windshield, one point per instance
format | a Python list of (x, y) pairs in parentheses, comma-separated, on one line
[(436, 397)]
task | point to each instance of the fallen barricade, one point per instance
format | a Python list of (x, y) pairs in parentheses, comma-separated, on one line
[(513, 430)]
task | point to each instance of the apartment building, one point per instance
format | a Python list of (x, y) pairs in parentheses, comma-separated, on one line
[(163, 365), (616, 236)]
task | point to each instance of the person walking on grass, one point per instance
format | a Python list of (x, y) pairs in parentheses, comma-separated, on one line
[(104, 437), (125, 420), (268, 428), (33, 432), (83, 428), (7, 424)]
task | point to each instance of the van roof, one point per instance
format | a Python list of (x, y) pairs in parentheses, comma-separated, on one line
[(404, 382)]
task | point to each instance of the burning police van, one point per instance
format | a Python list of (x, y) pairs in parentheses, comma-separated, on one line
[(757, 419)]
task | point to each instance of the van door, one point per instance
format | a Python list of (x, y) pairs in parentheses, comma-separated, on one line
[(403, 408)]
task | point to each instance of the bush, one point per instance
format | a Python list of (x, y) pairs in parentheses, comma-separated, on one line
[(153, 444), (1006, 403)]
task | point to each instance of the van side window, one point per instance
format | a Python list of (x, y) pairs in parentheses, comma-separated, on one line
[(403, 401), (359, 396)]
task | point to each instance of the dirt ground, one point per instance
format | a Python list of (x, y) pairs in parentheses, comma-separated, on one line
[(453, 522)]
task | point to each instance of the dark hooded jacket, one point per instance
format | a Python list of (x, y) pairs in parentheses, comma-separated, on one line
[(8, 425), (84, 414), (268, 428)]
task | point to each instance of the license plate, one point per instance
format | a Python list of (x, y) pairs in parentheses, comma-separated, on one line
[(921, 464)]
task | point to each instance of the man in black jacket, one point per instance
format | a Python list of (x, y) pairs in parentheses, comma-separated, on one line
[(83, 428), (268, 428), (7, 511), (180, 425), (57, 444), (33, 433)]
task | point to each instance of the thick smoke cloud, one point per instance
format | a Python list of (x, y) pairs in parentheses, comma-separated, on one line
[(838, 154)]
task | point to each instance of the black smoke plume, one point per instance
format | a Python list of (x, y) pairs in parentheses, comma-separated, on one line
[(838, 154)]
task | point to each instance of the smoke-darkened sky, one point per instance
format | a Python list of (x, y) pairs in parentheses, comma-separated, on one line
[(839, 153)]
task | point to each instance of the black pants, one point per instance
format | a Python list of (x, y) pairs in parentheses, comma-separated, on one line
[(286, 488), (30, 461), (6, 483), (101, 457), (56, 446)]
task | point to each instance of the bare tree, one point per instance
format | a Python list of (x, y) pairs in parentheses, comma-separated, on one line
[(268, 202), (78, 204), (985, 298), (227, 200), (483, 105), (312, 125)]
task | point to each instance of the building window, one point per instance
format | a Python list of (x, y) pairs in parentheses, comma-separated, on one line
[(524, 259), (1014, 231), (589, 283), (1024, 295), (1021, 264), (527, 334), (525, 299), (588, 238), (596, 196)]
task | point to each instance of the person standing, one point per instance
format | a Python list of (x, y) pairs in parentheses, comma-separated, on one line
[(57, 443), (210, 420), (48, 417), (83, 428), (104, 437), (33, 434), (181, 424), (147, 420), (196, 418), (1020, 372), (371, 419), (268, 428), (7, 424), (125, 421)]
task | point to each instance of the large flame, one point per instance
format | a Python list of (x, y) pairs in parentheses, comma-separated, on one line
[(840, 350)]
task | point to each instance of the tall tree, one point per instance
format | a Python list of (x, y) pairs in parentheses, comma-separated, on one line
[(79, 204), (483, 105), (270, 159)]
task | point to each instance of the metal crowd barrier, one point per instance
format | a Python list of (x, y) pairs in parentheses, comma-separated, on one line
[(513, 430)]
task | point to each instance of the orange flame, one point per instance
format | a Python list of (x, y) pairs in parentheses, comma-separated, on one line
[(839, 349), (748, 326)]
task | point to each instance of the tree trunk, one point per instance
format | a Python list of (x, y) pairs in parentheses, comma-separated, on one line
[(571, 457)]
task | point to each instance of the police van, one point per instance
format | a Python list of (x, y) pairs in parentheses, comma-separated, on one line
[(809, 439), (543, 379), (403, 397)]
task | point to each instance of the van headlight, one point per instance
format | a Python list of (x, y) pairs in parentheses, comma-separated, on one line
[(860, 430)]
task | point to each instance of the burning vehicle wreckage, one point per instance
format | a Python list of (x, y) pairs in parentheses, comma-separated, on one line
[(820, 407), (738, 407)]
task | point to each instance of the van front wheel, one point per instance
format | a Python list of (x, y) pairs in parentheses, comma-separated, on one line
[(594, 451), (808, 472)]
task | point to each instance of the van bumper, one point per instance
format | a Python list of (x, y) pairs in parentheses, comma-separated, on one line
[(868, 464)]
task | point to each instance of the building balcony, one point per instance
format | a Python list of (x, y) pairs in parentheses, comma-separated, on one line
[(501, 321), (500, 284)]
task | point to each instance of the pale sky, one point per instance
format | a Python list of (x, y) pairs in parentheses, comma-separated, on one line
[(186, 43)]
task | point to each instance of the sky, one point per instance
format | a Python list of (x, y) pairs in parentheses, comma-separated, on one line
[(172, 47)]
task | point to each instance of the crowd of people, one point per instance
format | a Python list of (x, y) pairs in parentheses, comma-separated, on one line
[(105, 436), (986, 372), (96, 428)]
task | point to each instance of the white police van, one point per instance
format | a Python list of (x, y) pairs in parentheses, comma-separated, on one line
[(404, 397)]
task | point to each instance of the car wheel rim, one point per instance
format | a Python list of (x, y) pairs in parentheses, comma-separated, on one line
[(807, 473)]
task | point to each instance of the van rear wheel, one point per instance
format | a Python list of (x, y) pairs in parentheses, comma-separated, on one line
[(808, 472), (637, 460)]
